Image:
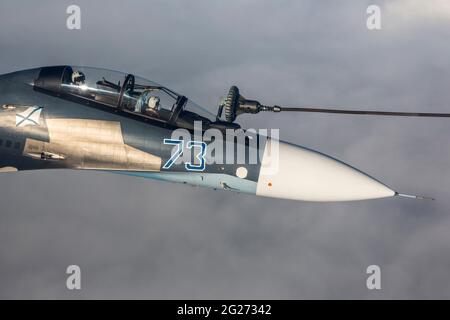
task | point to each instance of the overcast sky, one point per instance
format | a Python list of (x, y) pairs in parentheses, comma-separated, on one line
[(137, 238)]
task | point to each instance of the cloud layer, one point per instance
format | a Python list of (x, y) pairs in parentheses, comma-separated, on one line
[(136, 238)]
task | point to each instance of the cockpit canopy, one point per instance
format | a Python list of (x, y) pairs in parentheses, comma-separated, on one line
[(123, 92)]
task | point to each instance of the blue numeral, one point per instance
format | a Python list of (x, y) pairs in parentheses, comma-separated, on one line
[(191, 144), (177, 154), (200, 156)]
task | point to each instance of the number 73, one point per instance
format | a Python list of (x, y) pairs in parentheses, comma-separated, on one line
[(179, 151)]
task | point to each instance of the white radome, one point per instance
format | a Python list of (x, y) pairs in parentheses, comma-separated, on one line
[(304, 174)]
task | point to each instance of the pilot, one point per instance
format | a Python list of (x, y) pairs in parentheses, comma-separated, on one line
[(139, 107), (78, 78), (148, 104), (153, 106)]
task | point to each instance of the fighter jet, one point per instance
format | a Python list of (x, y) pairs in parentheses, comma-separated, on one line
[(81, 118)]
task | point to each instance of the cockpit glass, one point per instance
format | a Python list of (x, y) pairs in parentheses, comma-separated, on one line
[(131, 94), (202, 112), (149, 98), (94, 84)]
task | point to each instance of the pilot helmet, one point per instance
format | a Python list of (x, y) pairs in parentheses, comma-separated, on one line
[(78, 77), (153, 103)]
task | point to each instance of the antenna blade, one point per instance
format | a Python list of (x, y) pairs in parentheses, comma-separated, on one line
[(366, 112)]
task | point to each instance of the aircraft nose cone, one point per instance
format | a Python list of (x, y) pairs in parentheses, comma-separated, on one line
[(302, 174)]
